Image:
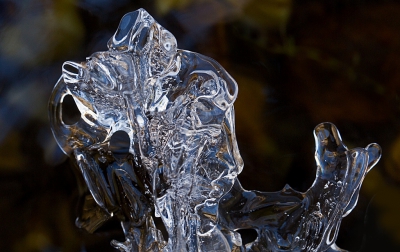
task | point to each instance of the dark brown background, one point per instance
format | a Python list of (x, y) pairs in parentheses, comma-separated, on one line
[(297, 63)]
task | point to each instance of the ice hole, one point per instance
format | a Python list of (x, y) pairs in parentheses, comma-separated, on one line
[(119, 144), (160, 226), (70, 113), (70, 68), (248, 235)]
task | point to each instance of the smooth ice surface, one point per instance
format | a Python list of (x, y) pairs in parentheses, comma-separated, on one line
[(154, 136)]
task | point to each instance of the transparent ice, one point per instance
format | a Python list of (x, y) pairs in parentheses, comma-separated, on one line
[(156, 139)]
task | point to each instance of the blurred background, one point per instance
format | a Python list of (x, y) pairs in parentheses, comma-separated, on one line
[(297, 63)]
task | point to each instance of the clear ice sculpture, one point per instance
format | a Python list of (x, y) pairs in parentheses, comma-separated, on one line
[(156, 138)]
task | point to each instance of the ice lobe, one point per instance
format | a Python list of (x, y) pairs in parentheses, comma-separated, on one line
[(155, 137)]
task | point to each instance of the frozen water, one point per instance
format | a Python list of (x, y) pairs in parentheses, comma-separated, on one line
[(155, 137)]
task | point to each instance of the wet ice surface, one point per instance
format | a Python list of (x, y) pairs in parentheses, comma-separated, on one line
[(154, 137)]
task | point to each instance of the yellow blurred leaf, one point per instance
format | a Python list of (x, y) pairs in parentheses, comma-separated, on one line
[(165, 6), (271, 13)]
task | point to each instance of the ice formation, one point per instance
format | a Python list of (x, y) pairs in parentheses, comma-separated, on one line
[(156, 139)]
